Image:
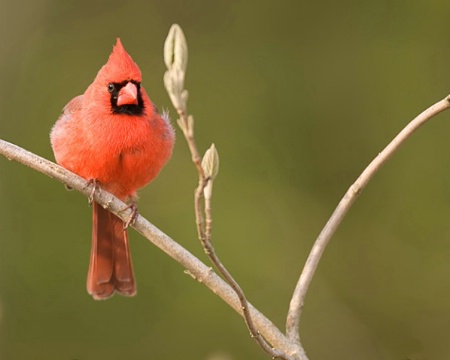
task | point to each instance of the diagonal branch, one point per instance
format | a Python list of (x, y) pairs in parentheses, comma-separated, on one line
[(296, 305), (193, 265)]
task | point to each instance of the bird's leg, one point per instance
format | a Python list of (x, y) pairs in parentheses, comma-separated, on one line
[(134, 213), (95, 187)]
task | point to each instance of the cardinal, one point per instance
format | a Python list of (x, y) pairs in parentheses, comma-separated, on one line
[(114, 137)]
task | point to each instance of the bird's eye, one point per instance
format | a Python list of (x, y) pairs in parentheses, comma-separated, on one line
[(111, 87)]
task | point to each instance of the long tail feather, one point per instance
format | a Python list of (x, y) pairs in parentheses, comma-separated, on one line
[(110, 267)]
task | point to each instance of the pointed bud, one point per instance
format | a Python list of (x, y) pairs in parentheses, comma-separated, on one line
[(175, 58), (175, 49), (210, 162)]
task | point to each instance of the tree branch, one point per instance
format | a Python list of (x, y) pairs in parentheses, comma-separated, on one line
[(193, 265), (296, 305), (175, 57), (262, 329)]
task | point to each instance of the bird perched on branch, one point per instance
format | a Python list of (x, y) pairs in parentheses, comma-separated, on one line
[(114, 137)]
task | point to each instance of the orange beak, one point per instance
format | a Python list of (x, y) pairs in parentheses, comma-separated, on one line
[(128, 95)]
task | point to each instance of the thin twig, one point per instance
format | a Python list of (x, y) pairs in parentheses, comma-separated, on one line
[(186, 126), (175, 57), (193, 265), (296, 305), (208, 213), (205, 232)]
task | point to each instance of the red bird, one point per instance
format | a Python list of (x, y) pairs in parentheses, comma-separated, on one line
[(113, 136)]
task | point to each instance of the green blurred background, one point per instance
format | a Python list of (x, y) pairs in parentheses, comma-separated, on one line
[(298, 97)]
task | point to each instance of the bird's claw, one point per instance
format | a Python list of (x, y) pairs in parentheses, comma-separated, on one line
[(95, 187), (133, 216)]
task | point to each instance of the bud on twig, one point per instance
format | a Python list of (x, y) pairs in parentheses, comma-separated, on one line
[(176, 58), (175, 49), (210, 165), (210, 162)]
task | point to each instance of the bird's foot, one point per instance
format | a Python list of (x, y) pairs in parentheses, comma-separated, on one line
[(134, 213), (95, 187)]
